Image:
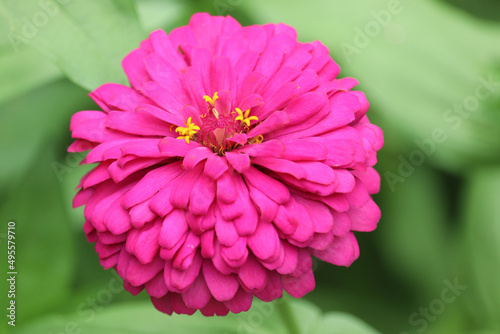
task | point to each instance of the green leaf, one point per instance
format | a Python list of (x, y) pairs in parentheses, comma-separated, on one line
[(161, 14), (341, 323), (27, 121), (86, 39), (43, 240), (414, 236), (413, 65), (482, 235), (141, 317)]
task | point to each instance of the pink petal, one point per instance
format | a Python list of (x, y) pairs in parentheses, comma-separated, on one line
[(182, 279), (267, 208), (198, 294), (235, 255), (163, 46), (239, 161), (298, 287), (112, 96), (272, 289), (225, 231), (364, 219), (271, 187), (226, 189), (215, 166), (156, 287), (143, 243), (202, 195), (222, 287), (173, 229), (320, 215), (264, 243), (240, 303), (151, 183), (341, 223), (342, 252), (252, 274), (207, 244)]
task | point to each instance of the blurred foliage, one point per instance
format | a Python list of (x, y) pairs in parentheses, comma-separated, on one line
[(431, 71)]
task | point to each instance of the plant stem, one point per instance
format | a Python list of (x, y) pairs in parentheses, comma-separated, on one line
[(286, 314)]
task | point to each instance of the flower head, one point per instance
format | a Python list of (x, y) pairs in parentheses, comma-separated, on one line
[(234, 156)]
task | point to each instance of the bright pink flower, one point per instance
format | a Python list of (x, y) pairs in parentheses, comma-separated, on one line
[(234, 156)]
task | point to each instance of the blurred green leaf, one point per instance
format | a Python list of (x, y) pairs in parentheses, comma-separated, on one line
[(27, 121), (340, 323), (43, 240), (413, 231), (86, 39), (132, 318), (162, 14), (415, 66), (482, 235), (24, 71)]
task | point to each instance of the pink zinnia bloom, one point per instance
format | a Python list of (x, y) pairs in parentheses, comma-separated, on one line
[(234, 157)]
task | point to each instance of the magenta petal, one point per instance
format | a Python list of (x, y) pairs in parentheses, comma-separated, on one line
[(165, 48), (215, 166), (364, 219), (207, 244), (341, 223), (176, 147), (291, 260), (267, 207), (135, 272), (214, 307), (319, 213), (163, 304), (156, 287), (223, 287), (275, 121), (173, 229), (202, 195), (301, 108), (239, 161), (282, 166), (342, 252), (196, 156), (272, 289), (235, 255), (143, 243), (252, 274), (221, 74), (371, 179), (182, 279), (241, 302), (271, 187), (321, 241), (112, 96), (264, 241), (298, 287), (246, 223), (151, 184), (198, 294), (226, 232), (178, 304), (135, 69)]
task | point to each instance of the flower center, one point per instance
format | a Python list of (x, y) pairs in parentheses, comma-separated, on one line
[(219, 126)]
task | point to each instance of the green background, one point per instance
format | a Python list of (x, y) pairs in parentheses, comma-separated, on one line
[(431, 71)]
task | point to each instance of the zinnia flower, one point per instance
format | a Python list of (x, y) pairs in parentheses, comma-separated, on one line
[(234, 157)]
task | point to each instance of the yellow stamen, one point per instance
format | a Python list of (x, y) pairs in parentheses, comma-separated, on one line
[(243, 117), (211, 100), (187, 132)]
